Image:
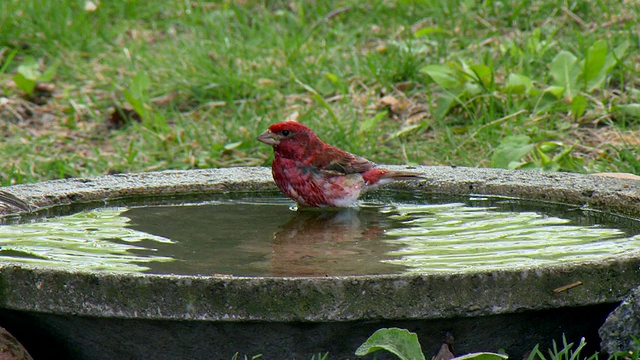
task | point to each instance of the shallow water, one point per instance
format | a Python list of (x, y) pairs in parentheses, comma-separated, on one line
[(250, 235)]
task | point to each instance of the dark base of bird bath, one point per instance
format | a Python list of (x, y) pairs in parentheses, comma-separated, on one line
[(50, 336), (101, 315)]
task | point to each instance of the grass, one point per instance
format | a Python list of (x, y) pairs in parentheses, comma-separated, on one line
[(424, 82), (405, 346)]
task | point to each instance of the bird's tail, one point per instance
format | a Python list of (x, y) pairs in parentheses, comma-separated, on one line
[(379, 176)]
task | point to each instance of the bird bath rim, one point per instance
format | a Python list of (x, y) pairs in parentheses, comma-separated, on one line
[(615, 195), (334, 298)]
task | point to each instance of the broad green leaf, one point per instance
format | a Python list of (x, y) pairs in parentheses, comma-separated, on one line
[(369, 124), (558, 158), (517, 84), (466, 69), (426, 31), (614, 56), (469, 90), (544, 159), (533, 92), (634, 94), (482, 356), (548, 146), (621, 50), (556, 91), (27, 75), (549, 98), (29, 68), (632, 110), (443, 76), (611, 60), (24, 83), (445, 102), (482, 75), (593, 70), (233, 145), (578, 106), (564, 71), (332, 77), (400, 342), (512, 149)]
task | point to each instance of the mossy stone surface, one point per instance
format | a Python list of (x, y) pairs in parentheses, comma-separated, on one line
[(317, 299)]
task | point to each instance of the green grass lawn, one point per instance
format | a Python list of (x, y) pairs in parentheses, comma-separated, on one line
[(548, 85)]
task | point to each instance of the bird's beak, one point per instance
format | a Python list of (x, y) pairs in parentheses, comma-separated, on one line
[(269, 138)]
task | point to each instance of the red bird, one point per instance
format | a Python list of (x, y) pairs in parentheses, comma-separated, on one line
[(316, 174)]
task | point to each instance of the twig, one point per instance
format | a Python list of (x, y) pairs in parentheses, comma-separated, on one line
[(487, 24), (573, 16), (567, 287), (335, 12)]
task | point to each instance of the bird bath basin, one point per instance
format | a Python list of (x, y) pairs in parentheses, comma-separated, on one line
[(187, 264)]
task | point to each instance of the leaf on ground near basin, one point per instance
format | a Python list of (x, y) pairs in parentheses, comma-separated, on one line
[(512, 149), (517, 84), (594, 70), (27, 74), (400, 342), (442, 75), (564, 71), (482, 356), (632, 110)]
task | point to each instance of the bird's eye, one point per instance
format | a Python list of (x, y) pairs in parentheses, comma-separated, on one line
[(285, 132)]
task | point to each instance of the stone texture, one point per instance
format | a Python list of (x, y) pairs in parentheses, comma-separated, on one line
[(621, 325), (312, 299), (605, 193), (10, 347), (228, 298), (226, 303)]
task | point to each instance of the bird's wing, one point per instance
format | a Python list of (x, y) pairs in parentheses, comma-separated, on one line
[(339, 162)]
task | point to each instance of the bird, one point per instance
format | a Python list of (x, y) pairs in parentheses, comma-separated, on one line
[(14, 201), (315, 174)]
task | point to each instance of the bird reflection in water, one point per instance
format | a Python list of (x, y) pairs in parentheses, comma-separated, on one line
[(346, 241)]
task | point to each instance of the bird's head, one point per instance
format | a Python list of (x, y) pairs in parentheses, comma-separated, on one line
[(290, 139)]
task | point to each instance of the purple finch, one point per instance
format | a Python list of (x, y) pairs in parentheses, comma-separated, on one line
[(316, 174)]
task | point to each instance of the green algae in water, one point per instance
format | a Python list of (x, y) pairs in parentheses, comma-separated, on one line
[(82, 241), (455, 237), (254, 236)]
